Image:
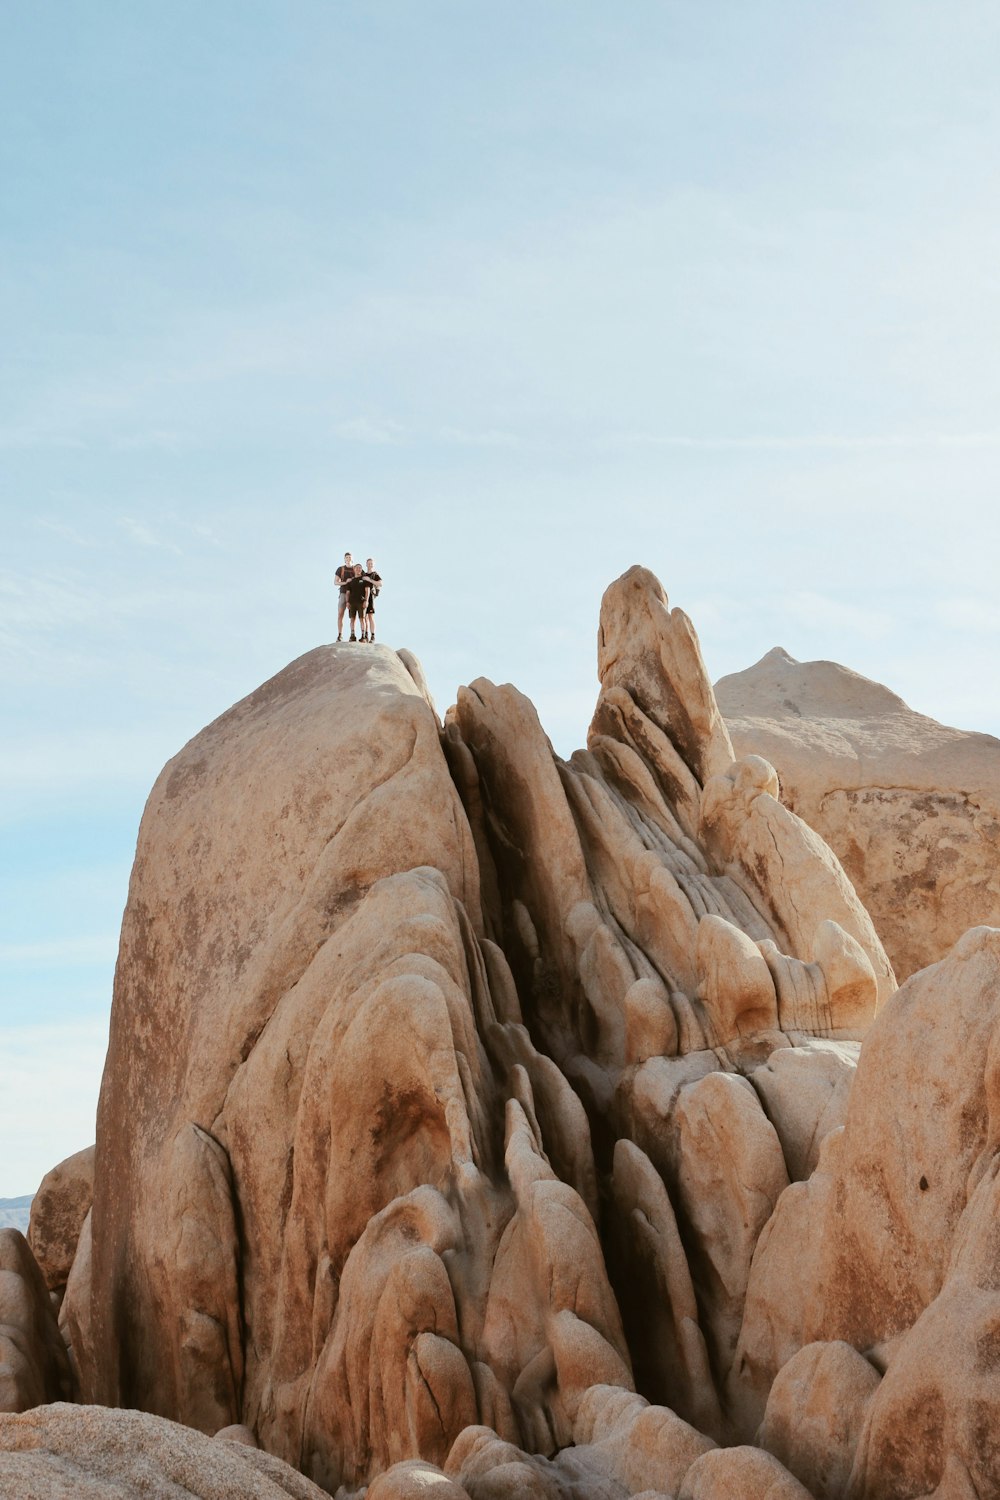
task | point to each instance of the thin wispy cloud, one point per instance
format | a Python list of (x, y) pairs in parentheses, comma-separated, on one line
[(822, 612), (62, 1065), (145, 536), (981, 616), (83, 950), (806, 441), (387, 432)]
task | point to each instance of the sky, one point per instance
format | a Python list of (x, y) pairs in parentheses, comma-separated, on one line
[(509, 297)]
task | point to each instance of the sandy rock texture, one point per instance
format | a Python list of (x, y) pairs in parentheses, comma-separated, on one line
[(34, 1366), (58, 1212), (481, 1123), (64, 1452), (911, 807)]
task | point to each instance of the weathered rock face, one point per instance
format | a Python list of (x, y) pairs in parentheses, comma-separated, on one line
[(33, 1363), (861, 1251), (89, 1453), (58, 1211), (911, 807), (485, 1123)]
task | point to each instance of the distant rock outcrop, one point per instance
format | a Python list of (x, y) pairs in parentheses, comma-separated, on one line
[(15, 1212), (911, 807), (485, 1123)]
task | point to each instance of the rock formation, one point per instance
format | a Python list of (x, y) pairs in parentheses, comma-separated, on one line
[(58, 1212), (911, 807), (89, 1453), (34, 1367), (481, 1122)]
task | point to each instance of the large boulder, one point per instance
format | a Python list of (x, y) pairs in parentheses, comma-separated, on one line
[(308, 1215), (58, 1211), (33, 1363), (815, 1415), (911, 807), (62, 1452), (943, 1377), (860, 1251)]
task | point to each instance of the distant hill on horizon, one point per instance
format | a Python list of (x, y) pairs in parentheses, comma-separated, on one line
[(14, 1212)]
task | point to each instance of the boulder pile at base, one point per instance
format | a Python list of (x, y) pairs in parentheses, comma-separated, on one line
[(478, 1123)]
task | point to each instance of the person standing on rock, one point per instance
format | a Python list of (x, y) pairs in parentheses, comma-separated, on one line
[(374, 588), (358, 589), (342, 577)]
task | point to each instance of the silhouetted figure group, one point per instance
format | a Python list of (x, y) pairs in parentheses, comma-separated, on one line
[(359, 588)]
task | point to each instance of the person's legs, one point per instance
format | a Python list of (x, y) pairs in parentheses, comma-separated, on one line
[(341, 606), (354, 617), (371, 624)]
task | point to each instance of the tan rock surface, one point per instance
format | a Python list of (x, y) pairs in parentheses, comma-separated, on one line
[(455, 1091), (815, 1415), (63, 1452), (58, 1210), (911, 807), (859, 1251), (730, 1173), (33, 1363), (740, 1474), (943, 1378), (805, 1091)]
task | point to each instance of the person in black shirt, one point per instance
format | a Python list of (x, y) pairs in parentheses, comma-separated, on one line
[(374, 588), (357, 598), (342, 576)]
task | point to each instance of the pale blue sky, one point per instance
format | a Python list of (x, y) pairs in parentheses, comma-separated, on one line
[(509, 296)]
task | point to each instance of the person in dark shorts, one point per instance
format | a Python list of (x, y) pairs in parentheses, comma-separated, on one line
[(342, 576), (374, 588), (357, 598)]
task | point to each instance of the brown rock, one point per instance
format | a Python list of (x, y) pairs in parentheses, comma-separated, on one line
[(300, 798), (58, 1210), (815, 1414), (657, 1295), (774, 856), (653, 653), (413, 1479), (730, 1173), (911, 807), (411, 1024), (75, 1323), (860, 1250), (640, 1446), (65, 1452), (804, 1091), (747, 1473), (933, 1425), (33, 1363)]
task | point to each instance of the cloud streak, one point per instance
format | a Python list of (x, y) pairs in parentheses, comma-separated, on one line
[(98, 950), (61, 1064)]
